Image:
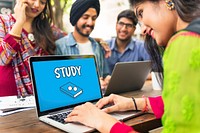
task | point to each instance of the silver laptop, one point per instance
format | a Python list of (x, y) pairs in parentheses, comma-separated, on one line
[(128, 76), (62, 82)]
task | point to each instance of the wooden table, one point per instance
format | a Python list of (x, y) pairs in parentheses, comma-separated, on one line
[(27, 122)]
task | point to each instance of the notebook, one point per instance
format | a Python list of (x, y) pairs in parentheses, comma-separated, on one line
[(128, 76), (62, 82)]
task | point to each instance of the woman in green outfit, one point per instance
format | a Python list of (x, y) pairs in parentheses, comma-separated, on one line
[(174, 25)]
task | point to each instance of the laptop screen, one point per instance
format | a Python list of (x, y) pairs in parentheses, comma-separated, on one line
[(61, 81)]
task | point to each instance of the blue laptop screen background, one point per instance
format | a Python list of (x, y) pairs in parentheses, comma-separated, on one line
[(61, 83)]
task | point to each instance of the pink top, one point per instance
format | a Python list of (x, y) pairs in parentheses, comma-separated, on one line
[(7, 77), (157, 106), (120, 127), (158, 110)]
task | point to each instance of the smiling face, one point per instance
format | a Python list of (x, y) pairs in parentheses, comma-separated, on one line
[(124, 29), (86, 23), (35, 7), (157, 20)]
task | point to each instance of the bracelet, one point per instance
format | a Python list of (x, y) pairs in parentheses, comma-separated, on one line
[(135, 103), (146, 108)]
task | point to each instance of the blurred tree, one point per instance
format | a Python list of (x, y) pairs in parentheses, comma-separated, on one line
[(59, 8)]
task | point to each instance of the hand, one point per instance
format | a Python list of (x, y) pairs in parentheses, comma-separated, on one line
[(20, 11), (20, 17), (104, 82), (106, 48), (120, 103), (89, 115)]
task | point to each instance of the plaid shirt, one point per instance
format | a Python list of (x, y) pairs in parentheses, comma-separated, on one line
[(16, 52)]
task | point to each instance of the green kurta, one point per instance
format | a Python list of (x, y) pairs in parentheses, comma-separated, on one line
[(181, 93)]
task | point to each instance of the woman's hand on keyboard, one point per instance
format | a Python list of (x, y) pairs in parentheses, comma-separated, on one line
[(89, 115), (119, 103)]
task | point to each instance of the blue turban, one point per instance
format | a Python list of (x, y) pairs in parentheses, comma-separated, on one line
[(79, 7)]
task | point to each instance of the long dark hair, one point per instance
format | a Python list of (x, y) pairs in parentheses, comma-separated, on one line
[(156, 53), (188, 10), (42, 29)]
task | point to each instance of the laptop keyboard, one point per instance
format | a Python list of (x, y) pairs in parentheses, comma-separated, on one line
[(60, 117)]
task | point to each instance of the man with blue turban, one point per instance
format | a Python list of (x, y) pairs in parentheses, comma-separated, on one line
[(83, 16), (79, 7)]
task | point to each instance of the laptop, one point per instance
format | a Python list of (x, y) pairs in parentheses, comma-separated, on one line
[(128, 76), (62, 82)]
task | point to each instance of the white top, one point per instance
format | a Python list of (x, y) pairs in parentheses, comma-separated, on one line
[(85, 48)]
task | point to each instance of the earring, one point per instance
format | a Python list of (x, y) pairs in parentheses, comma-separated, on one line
[(170, 4)]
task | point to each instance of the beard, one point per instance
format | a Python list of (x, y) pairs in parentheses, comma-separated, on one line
[(79, 30)]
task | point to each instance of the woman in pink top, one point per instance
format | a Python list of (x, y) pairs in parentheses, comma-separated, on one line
[(175, 25), (25, 33)]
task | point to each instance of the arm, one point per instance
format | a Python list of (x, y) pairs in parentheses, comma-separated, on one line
[(106, 123), (88, 114), (105, 47), (106, 76), (9, 45), (9, 42), (58, 33), (104, 82), (152, 104), (120, 103)]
